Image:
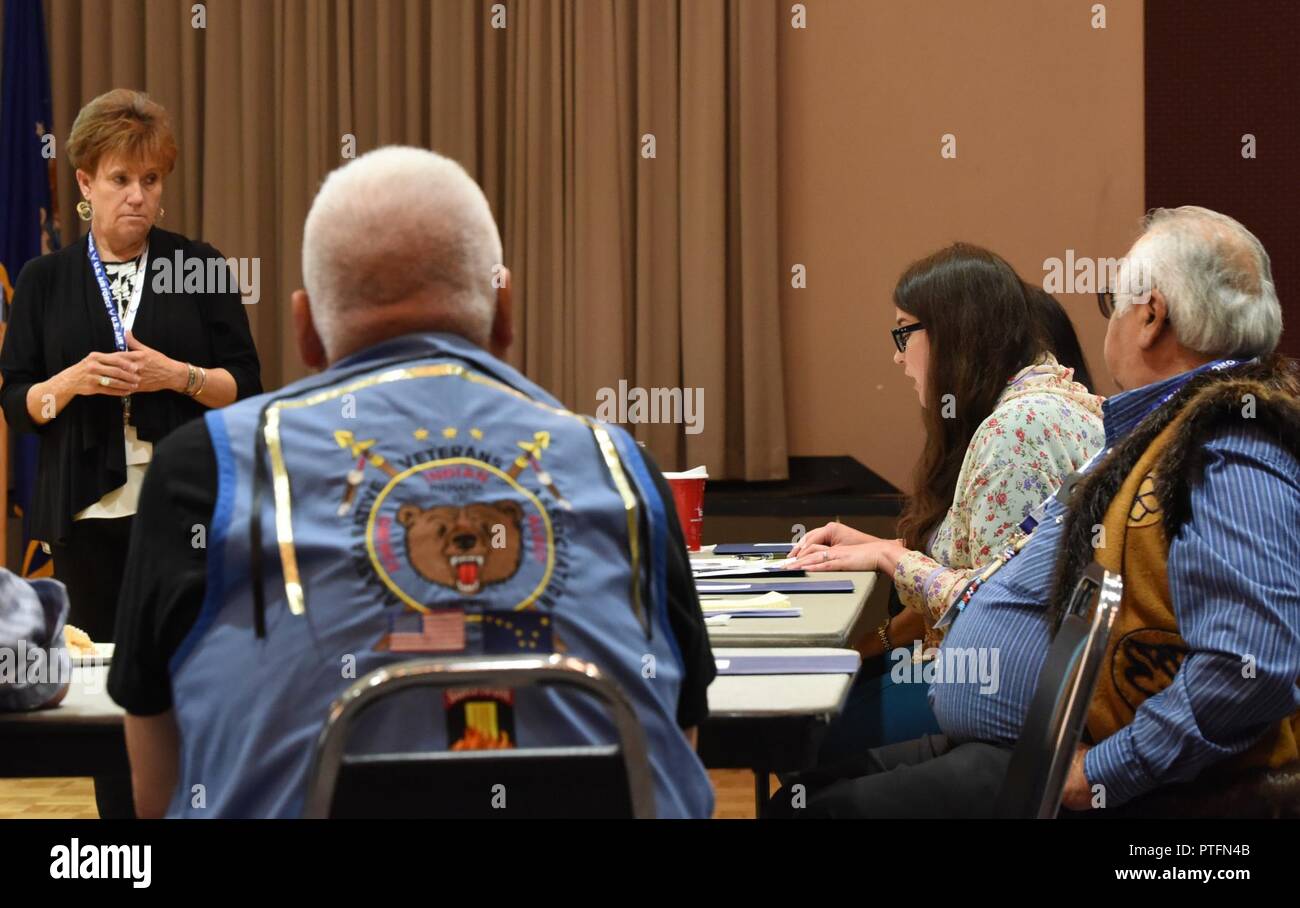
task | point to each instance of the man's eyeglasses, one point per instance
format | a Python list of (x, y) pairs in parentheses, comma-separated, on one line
[(901, 333), (1106, 303)]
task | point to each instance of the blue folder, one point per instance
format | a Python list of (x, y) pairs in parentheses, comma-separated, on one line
[(755, 612)]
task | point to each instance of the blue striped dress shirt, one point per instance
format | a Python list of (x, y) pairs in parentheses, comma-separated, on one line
[(1233, 575)]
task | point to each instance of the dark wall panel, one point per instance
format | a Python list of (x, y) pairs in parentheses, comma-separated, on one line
[(1216, 71)]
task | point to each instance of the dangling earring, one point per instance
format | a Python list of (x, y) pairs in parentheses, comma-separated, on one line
[(84, 210), (162, 213)]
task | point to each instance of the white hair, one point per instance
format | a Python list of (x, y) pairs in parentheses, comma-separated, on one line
[(401, 224), (1215, 277)]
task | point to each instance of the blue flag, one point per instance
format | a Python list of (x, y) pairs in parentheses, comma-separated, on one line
[(28, 219)]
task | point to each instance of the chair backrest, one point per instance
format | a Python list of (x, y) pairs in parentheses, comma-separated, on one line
[(1059, 709), (590, 780)]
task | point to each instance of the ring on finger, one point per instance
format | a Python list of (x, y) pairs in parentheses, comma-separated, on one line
[(826, 556), (105, 381)]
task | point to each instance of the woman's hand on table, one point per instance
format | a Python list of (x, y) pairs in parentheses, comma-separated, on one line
[(873, 555), (860, 557), (834, 533), (158, 372)]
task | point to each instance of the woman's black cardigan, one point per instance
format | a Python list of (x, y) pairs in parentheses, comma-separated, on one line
[(58, 317)]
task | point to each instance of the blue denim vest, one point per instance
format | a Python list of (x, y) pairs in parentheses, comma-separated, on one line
[(418, 477)]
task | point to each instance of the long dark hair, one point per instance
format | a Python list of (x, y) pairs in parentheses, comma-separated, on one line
[(982, 330), (1058, 333)]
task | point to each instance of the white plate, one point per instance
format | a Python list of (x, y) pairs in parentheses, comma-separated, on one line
[(103, 656)]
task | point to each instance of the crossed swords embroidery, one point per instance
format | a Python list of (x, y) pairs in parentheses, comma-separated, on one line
[(365, 454)]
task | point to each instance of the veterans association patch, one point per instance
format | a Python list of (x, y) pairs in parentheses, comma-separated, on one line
[(474, 525)]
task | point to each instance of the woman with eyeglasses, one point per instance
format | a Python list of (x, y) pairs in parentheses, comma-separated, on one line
[(1004, 424)]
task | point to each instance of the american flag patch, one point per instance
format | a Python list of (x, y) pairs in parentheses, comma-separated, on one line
[(441, 631)]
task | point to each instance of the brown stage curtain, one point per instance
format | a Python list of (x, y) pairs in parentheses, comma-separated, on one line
[(661, 271)]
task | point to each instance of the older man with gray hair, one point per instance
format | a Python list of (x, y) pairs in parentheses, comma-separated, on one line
[(1196, 502), (417, 496)]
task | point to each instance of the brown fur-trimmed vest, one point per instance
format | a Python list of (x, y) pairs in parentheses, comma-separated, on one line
[(1140, 495)]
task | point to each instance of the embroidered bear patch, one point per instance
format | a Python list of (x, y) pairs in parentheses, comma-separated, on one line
[(463, 548)]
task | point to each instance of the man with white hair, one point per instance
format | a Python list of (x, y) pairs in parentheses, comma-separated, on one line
[(417, 496), (1196, 503)]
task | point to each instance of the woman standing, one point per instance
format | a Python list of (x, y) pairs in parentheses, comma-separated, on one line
[(113, 342)]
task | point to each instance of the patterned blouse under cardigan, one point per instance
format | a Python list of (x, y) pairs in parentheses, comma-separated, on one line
[(1044, 427)]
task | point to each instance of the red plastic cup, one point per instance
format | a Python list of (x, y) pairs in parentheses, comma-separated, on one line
[(688, 495)]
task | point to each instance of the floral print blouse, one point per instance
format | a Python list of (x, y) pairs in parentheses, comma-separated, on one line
[(1044, 427)]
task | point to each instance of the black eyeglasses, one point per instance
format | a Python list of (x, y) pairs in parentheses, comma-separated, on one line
[(901, 332), (1106, 303)]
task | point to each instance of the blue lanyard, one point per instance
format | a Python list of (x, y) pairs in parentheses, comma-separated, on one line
[(1217, 366), (119, 335)]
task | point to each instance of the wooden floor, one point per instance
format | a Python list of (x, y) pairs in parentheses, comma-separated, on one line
[(733, 791), (47, 799), (74, 799)]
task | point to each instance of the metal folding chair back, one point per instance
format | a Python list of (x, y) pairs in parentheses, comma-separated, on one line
[(584, 781), (1059, 708)]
